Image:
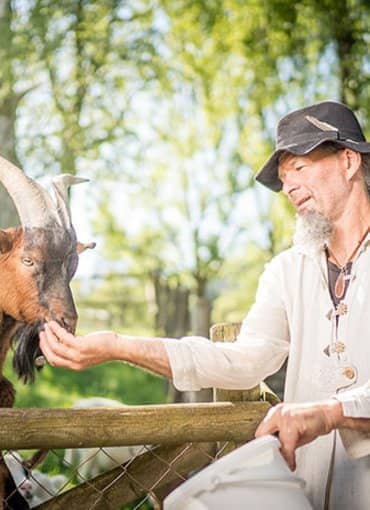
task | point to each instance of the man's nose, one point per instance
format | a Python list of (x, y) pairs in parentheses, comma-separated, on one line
[(290, 183)]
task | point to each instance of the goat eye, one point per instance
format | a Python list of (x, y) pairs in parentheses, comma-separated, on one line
[(27, 261)]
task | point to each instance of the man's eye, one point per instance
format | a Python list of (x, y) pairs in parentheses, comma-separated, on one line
[(300, 167)]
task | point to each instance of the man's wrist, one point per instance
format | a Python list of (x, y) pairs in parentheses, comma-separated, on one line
[(334, 413), (123, 347)]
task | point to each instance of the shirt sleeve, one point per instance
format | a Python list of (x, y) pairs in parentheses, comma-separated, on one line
[(356, 404), (259, 351)]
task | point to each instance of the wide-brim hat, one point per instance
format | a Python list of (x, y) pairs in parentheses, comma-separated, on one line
[(303, 130)]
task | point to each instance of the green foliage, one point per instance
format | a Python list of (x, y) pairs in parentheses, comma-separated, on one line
[(174, 103), (239, 282), (57, 387), (91, 57)]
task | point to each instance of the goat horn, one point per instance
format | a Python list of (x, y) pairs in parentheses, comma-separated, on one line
[(61, 184), (34, 205)]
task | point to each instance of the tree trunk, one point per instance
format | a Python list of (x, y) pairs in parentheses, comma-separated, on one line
[(8, 214), (173, 319), (201, 317), (8, 105), (172, 307)]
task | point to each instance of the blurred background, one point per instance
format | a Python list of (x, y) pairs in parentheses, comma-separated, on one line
[(169, 107)]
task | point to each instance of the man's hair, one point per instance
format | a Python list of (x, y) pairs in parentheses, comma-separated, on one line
[(365, 167), (332, 148), (327, 148)]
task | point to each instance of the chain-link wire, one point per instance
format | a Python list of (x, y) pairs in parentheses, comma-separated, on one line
[(118, 478)]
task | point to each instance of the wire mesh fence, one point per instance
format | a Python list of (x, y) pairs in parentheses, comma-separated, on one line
[(96, 458), (122, 478)]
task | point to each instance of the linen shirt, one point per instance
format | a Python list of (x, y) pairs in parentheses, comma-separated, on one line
[(291, 316)]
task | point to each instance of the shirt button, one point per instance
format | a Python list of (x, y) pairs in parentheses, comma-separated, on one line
[(349, 373)]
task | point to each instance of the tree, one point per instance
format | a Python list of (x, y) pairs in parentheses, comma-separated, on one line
[(9, 100), (173, 104), (233, 69), (94, 56)]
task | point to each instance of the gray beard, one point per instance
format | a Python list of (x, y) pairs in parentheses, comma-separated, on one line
[(312, 230)]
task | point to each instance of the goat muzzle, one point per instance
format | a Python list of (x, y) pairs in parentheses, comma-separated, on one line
[(68, 323)]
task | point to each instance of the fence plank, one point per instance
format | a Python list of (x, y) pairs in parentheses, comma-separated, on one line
[(165, 424)]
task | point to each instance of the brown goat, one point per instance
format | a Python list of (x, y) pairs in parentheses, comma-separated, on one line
[(37, 263)]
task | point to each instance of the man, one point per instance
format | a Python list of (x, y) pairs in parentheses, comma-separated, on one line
[(311, 304)]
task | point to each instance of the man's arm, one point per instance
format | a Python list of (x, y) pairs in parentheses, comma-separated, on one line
[(63, 349), (299, 424), (193, 362)]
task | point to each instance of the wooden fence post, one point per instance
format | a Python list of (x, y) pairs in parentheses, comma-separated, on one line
[(228, 332)]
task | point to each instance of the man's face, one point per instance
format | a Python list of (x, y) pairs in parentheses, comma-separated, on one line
[(316, 182)]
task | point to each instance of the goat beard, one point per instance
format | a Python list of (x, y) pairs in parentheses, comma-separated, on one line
[(27, 351)]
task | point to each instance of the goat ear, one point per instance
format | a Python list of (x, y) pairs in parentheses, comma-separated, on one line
[(81, 247), (6, 241)]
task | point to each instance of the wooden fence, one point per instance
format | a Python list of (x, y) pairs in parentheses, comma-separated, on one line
[(188, 436)]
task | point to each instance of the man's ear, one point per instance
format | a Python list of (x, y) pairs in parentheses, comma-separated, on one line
[(353, 162), (6, 241)]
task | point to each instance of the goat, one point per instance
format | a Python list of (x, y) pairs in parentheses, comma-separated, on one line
[(33, 486), (91, 462), (37, 262), (17, 485), (44, 487)]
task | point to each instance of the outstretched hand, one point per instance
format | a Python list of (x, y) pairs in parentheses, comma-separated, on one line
[(299, 424), (62, 349), (66, 350)]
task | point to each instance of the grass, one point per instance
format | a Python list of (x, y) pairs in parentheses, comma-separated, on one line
[(57, 387)]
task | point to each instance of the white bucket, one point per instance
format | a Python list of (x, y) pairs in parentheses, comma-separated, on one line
[(255, 476)]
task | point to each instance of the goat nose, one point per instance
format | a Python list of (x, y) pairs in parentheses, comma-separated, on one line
[(69, 323)]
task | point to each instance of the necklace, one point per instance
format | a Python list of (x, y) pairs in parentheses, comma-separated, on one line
[(340, 284)]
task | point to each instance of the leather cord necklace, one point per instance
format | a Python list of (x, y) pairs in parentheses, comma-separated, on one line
[(340, 284)]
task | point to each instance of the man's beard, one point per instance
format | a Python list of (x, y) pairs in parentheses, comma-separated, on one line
[(312, 230)]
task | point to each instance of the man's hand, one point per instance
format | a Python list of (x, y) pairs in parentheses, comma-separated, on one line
[(299, 424), (63, 349)]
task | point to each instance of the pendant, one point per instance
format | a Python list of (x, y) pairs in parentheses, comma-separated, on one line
[(340, 285)]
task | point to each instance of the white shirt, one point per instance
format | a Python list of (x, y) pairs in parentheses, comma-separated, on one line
[(290, 316)]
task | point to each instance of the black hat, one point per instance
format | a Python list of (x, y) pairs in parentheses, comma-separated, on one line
[(303, 130)]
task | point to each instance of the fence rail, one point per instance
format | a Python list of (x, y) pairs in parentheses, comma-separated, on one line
[(164, 424), (188, 436)]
